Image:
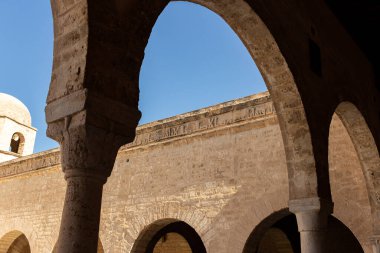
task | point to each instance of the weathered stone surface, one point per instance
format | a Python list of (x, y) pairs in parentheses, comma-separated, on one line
[(219, 169), (309, 63)]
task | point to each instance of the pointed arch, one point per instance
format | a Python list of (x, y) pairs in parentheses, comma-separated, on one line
[(88, 79)]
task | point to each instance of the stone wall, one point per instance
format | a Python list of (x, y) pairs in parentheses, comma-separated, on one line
[(219, 169)]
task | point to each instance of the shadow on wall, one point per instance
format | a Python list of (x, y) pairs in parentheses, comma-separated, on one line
[(340, 239)]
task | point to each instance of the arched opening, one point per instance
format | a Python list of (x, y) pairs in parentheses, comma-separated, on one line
[(278, 233), (193, 60), (281, 85), (100, 247), (353, 168), (17, 143), (117, 79), (169, 236), (14, 242)]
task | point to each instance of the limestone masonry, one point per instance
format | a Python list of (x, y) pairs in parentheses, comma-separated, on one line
[(220, 171)]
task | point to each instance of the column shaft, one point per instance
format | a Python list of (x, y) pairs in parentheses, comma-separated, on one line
[(313, 241), (81, 215)]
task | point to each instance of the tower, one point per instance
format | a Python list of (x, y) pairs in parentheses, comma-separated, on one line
[(17, 135)]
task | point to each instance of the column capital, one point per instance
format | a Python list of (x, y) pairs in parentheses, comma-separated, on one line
[(90, 129), (311, 213), (93, 109), (311, 204)]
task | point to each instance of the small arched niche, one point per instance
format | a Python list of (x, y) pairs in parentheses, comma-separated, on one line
[(17, 143), (168, 236), (14, 242)]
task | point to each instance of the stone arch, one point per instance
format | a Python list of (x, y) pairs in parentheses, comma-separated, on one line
[(367, 153), (103, 84), (151, 234), (348, 184), (14, 242)]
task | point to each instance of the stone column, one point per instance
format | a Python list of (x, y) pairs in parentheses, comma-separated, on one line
[(375, 241), (90, 136), (312, 215), (81, 214)]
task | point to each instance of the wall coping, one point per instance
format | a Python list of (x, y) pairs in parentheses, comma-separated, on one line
[(242, 110)]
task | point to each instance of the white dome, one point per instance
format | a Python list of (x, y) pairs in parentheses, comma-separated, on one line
[(14, 109)]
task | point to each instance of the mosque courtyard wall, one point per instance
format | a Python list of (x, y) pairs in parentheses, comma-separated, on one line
[(221, 169)]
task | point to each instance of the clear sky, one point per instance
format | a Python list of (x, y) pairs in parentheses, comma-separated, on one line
[(193, 60)]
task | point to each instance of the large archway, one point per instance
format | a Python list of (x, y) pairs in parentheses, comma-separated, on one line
[(170, 236), (14, 242), (117, 78), (101, 92)]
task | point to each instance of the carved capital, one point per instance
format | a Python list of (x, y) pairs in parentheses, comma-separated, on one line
[(311, 213), (90, 130)]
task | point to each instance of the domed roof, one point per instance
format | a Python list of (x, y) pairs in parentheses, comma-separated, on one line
[(14, 109)]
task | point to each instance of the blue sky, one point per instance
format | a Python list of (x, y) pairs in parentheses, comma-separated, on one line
[(193, 59)]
